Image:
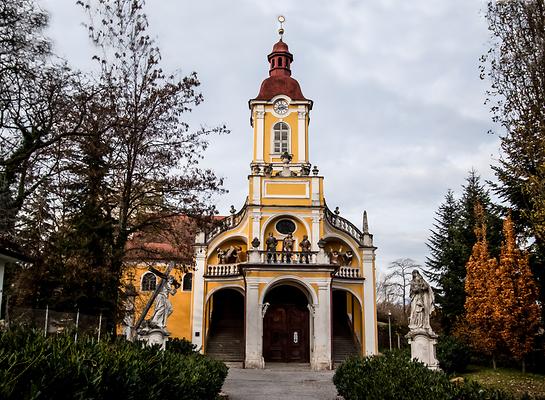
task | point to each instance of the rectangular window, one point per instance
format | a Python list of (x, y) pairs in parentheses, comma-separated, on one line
[(281, 138)]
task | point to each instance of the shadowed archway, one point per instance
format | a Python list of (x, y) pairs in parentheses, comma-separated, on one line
[(225, 339)]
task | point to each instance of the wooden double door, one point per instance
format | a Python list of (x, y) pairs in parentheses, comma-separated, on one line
[(286, 333)]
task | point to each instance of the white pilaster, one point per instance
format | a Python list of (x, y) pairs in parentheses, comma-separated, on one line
[(315, 236), (315, 182), (256, 187), (369, 309), (254, 328), (322, 328), (256, 227), (301, 133), (259, 116), (198, 292)]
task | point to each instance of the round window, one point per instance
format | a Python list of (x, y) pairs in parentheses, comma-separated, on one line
[(285, 226)]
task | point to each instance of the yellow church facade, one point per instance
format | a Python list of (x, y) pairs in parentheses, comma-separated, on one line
[(283, 279)]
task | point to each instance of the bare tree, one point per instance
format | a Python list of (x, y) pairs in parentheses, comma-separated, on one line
[(42, 104), (398, 280)]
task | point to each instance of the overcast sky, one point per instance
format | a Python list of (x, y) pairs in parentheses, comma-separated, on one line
[(398, 117)]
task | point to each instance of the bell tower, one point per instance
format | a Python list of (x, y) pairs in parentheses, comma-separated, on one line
[(280, 115)]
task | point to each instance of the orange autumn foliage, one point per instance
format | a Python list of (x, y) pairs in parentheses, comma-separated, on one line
[(519, 309), (501, 308), (482, 322)]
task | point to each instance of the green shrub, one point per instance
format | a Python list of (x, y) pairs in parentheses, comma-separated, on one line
[(181, 346), (395, 376), (34, 367), (453, 354)]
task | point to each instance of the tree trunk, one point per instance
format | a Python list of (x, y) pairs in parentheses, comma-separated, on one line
[(523, 366), (494, 362)]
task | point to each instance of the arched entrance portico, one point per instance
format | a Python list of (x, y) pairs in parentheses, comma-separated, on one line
[(286, 325), (225, 339)]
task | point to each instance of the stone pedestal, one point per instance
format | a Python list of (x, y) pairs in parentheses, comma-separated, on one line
[(154, 337), (423, 347)]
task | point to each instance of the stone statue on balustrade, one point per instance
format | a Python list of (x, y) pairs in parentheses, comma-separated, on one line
[(305, 250), (233, 255), (335, 257), (421, 336), (287, 248), (271, 244), (221, 256)]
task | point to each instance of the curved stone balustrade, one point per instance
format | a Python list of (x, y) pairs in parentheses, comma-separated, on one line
[(295, 257), (223, 270), (344, 225), (348, 272), (227, 223)]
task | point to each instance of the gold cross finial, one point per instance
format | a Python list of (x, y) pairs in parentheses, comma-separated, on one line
[(281, 19)]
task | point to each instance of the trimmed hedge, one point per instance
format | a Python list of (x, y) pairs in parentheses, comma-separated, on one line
[(181, 346), (453, 354), (395, 376), (34, 367)]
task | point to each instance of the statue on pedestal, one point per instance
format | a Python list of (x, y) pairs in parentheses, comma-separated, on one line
[(422, 303), (305, 250), (287, 248), (163, 306), (271, 244), (421, 336)]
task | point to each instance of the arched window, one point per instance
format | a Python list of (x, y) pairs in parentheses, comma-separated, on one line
[(281, 137), (149, 282), (187, 283)]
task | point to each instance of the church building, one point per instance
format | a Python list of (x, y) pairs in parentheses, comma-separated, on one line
[(285, 278)]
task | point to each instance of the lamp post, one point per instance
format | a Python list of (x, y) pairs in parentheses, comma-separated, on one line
[(390, 330)]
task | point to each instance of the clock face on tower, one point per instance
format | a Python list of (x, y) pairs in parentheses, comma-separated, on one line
[(281, 106)]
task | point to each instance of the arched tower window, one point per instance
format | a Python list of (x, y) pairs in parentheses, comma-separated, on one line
[(187, 283), (149, 282), (281, 137)]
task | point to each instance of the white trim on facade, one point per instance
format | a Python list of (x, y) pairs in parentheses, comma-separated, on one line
[(301, 133)]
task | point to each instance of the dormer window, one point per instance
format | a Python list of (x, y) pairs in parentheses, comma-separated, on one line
[(281, 137)]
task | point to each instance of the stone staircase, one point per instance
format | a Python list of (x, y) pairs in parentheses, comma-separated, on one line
[(344, 344), (226, 343)]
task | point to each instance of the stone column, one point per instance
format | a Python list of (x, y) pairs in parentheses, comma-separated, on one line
[(198, 292), (322, 328), (369, 309), (254, 328)]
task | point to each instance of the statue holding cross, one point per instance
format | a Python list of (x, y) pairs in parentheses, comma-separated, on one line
[(162, 305)]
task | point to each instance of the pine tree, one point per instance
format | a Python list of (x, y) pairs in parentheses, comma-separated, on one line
[(482, 323), (517, 297), (446, 259)]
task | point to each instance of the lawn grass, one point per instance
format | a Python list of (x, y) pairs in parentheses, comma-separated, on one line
[(509, 380)]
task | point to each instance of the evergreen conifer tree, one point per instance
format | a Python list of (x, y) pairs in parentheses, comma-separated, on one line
[(451, 242)]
